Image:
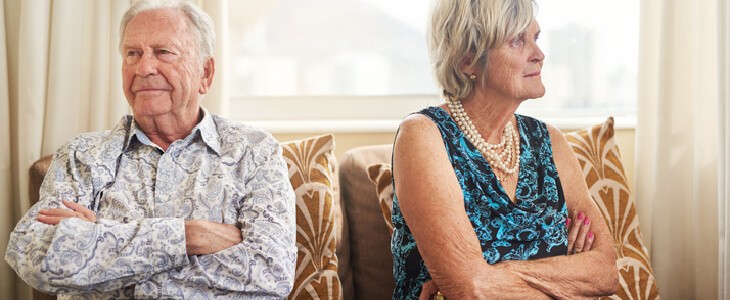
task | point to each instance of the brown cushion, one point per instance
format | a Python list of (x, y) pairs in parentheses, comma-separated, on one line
[(599, 156), (37, 174), (381, 176), (310, 163), (370, 257)]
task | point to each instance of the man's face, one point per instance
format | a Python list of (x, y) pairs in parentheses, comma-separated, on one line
[(160, 69)]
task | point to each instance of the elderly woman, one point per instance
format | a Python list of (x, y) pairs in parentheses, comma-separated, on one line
[(484, 197)]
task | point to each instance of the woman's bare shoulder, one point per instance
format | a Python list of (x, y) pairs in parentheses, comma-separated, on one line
[(562, 152), (419, 147), (418, 129)]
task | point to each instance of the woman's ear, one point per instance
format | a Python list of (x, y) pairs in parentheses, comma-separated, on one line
[(465, 63)]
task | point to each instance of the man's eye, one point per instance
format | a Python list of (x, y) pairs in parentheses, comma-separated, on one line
[(132, 57)]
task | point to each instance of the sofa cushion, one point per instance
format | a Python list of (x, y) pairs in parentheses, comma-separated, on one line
[(600, 159), (380, 175), (370, 257), (311, 166)]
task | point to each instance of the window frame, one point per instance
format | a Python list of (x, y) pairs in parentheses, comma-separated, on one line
[(374, 114)]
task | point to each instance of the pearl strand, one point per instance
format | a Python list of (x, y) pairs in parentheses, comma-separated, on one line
[(510, 139)]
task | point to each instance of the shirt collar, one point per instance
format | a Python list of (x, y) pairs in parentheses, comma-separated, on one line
[(206, 127)]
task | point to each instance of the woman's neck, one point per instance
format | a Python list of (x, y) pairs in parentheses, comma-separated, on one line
[(490, 113)]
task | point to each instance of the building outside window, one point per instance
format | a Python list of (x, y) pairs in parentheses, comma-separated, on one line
[(367, 60)]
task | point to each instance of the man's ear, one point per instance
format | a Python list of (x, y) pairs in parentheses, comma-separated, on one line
[(208, 72)]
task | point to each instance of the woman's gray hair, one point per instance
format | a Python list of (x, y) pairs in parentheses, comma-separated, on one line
[(460, 28), (199, 22)]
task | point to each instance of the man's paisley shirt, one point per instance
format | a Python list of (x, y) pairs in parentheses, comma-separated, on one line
[(223, 172)]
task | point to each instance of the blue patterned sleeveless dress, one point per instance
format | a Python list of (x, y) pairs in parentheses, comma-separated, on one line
[(532, 228)]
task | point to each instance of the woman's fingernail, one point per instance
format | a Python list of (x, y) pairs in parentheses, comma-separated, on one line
[(580, 216), (587, 221), (590, 235), (567, 222)]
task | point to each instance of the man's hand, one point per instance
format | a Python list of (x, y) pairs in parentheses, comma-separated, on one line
[(206, 237), (201, 236), (53, 216)]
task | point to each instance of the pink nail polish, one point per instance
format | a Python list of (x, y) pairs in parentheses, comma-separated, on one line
[(567, 222), (590, 235), (587, 221), (580, 216)]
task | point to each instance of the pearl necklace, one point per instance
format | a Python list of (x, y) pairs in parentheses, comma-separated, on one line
[(509, 156)]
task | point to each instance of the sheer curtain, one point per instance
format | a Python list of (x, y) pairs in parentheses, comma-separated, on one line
[(60, 75), (724, 115), (677, 144)]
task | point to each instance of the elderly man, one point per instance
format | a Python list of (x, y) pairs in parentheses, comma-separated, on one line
[(174, 202)]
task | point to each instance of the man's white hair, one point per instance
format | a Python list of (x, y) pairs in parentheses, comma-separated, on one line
[(199, 22)]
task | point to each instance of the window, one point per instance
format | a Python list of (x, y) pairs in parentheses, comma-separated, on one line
[(301, 61)]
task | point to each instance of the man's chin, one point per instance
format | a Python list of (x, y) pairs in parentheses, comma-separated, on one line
[(150, 109)]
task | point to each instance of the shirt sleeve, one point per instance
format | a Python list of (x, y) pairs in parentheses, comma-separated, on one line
[(263, 264), (76, 256)]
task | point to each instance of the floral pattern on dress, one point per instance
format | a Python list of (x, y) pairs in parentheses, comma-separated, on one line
[(531, 228)]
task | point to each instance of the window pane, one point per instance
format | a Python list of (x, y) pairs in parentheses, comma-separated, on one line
[(329, 47), (295, 48), (591, 54)]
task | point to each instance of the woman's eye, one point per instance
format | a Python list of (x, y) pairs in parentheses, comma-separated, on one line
[(519, 40)]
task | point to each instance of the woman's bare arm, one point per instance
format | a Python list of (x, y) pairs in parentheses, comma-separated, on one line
[(585, 275), (432, 204)]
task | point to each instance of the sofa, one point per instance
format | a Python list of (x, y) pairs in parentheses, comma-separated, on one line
[(343, 207)]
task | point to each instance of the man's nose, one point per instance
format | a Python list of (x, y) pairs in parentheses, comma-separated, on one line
[(147, 65)]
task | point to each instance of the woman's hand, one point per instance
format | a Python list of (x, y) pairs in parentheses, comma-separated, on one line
[(580, 238), (428, 289), (53, 216)]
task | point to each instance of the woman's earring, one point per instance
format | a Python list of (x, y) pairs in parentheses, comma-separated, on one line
[(472, 77)]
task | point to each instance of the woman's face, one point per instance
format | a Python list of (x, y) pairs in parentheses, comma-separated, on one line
[(514, 68)]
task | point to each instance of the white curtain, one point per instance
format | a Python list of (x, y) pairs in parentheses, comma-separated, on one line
[(60, 75), (724, 173), (677, 144)]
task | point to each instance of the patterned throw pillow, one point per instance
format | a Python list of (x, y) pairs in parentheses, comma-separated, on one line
[(600, 159), (380, 175), (311, 163)]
